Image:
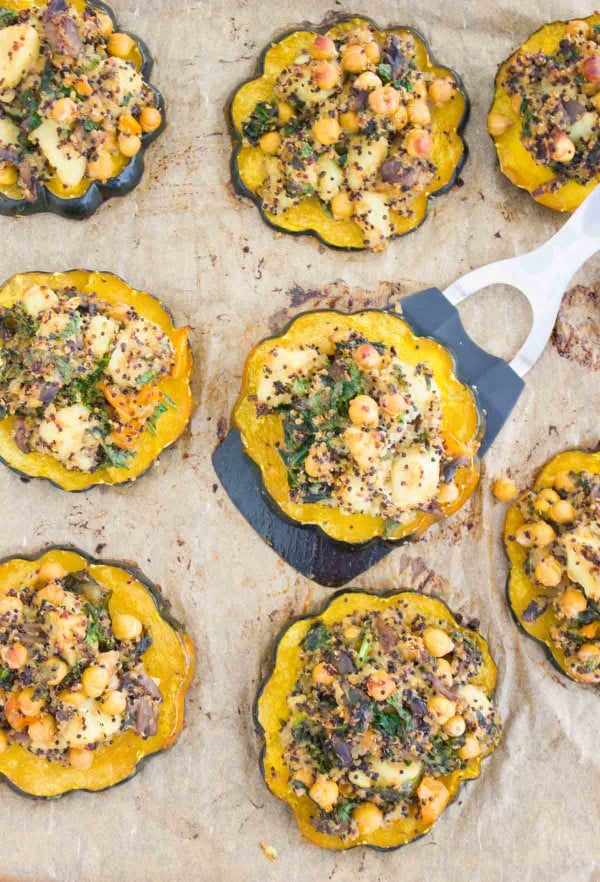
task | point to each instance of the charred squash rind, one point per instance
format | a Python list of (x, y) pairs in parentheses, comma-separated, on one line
[(341, 234), (270, 710), (515, 161), (521, 590), (82, 205), (171, 658), (462, 423), (169, 427)]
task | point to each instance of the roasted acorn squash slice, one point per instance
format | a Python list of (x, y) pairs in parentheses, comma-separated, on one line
[(177, 386), (523, 592), (272, 710), (310, 216), (461, 422), (170, 659), (516, 162), (82, 201)]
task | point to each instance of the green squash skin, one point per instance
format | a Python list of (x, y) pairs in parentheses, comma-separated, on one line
[(376, 540), (273, 659), (164, 611), (241, 188), (84, 206), (547, 651), (25, 478)]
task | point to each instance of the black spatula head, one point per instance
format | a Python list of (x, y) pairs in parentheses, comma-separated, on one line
[(307, 548)]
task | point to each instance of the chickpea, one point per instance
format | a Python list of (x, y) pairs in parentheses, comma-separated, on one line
[(120, 45), (400, 118), (285, 112), (304, 776), (590, 68), (573, 602), (10, 606), (373, 51), (364, 411), (114, 703), (498, 123), (8, 175), (126, 627), (394, 403), (589, 652), (562, 512), (548, 572), (578, 28), (75, 699), (448, 493), (105, 24), (564, 482), (317, 463), (326, 130), (57, 669), (324, 792), (350, 121), (51, 572), (562, 149), (15, 656), (437, 642), (385, 100), (443, 670), (380, 685), (366, 356), (323, 48), (363, 447), (100, 168), (341, 205), (81, 759), (322, 674), (28, 704), (50, 593), (441, 709), (4, 742), (455, 726), (537, 534), (354, 58), (64, 111), (367, 81), (94, 680), (544, 500), (43, 730), (418, 112), (441, 91), (129, 125), (419, 143), (129, 145), (505, 489), (325, 75), (471, 748), (368, 818), (270, 143)]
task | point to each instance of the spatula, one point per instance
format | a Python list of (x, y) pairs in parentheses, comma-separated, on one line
[(542, 275)]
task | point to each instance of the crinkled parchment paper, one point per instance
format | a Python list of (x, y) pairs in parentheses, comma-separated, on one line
[(200, 811)]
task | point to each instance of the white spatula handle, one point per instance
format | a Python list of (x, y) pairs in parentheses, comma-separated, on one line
[(542, 275)]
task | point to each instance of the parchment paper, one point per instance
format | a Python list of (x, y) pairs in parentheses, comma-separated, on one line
[(200, 811)]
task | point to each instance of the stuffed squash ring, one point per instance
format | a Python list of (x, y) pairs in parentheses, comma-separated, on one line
[(94, 378), (76, 110), (358, 426), (347, 132), (94, 673), (545, 115), (552, 537), (373, 714)]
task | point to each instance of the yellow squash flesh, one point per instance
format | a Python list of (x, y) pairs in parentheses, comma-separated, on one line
[(516, 162), (311, 215), (272, 710), (261, 435), (521, 588), (170, 425), (170, 659)]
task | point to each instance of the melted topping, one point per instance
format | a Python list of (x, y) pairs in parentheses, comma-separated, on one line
[(81, 376), (386, 705)]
